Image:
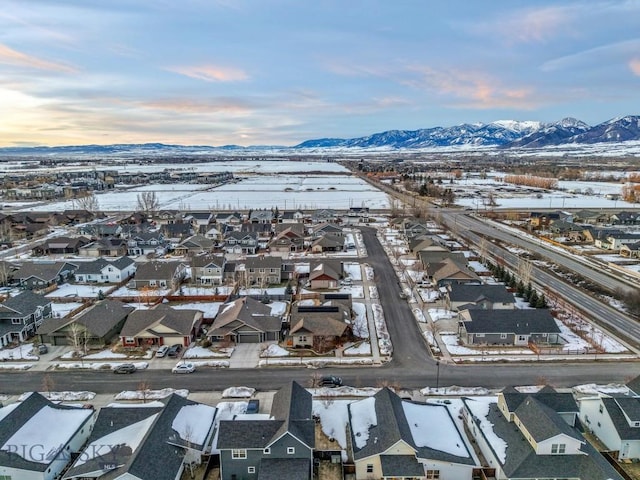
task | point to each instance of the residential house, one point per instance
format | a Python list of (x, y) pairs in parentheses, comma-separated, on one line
[(105, 247), (395, 438), (200, 219), (39, 276), (449, 271), (241, 243), (245, 320), (531, 436), (38, 437), (564, 228), (233, 218), (358, 214), (148, 441), (321, 326), (215, 232), (542, 220), (102, 270), (278, 448), (324, 229), (630, 250), (100, 230), (264, 231), (328, 243), (176, 232), (291, 217), (435, 254), (325, 275), (460, 296), (145, 243), (161, 325), (95, 326), (590, 217), (424, 242), (615, 241), (60, 246), (625, 218), (263, 270), (194, 245), (415, 228), (157, 274), (21, 315), (615, 421), (324, 216), (508, 327), (207, 269), (261, 216), (79, 216), (288, 240)]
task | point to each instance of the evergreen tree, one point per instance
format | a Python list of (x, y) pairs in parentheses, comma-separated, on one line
[(542, 302), (533, 299)]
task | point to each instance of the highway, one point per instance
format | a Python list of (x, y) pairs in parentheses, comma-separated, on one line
[(411, 367)]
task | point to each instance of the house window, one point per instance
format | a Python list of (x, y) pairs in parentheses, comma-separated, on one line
[(433, 474), (600, 408), (479, 335), (302, 338), (238, 454), (558, 448), (130, 340), (522, 338), (503, 336), (369, 468), (267, 451), (251, 469), (16, 321), (291, 450)]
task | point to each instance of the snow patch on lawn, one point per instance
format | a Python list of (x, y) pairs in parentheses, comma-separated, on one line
[(275, 350), (193, 422), (150, 394), (238, 392), (334, 417)]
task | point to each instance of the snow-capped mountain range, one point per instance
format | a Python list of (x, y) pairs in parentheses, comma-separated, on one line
[(503, 134)]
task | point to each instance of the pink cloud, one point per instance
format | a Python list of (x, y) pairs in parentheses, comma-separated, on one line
[(472, 89), (13, 57), (634, 65), (212, 73)]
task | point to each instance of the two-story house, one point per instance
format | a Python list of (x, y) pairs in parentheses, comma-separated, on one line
[(145, 242), (263, 270), (155, 274), (241, 243), (281, 447), (21, 315), (102, 270), (207, 269)]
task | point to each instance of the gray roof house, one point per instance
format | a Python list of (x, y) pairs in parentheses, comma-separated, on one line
[(321, 326), (146, 441), (403, 439), (102, 270), (161, 325), (101, 322), (483, 296), (263, 270), (207, 269), (276, 449), (21, 315), (105, 247), (615, 421), (530, 438), (40, 275), (62, 430), (245, 320), (241, 242), (156, 274), (508, 327)]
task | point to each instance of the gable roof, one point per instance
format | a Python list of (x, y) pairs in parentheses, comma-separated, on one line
[(141, 321), (621, 411), (519, 322), (98, 320), (543, 422), (244, 311), (46, 271), (25, 303), (458, 292), (155, 270)]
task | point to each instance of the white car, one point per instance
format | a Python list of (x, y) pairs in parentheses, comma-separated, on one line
[(184, 368)]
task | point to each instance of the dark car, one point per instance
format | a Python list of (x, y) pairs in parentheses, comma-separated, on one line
[(253, 406), (174, 350), (42, 349), (331, 381), (125, 368)]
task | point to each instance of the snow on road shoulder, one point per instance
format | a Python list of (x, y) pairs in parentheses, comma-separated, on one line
[(238, 392), (150, 394)]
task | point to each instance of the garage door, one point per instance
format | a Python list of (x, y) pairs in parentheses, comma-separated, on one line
[(252, 337)]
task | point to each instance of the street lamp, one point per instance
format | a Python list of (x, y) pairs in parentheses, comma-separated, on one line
[(437, 375)]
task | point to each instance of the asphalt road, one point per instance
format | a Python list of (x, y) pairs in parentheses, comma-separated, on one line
[(411, 367), (623, 325)]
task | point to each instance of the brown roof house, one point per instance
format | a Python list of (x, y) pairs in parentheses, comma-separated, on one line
[(157, 274), (245, 320), (325, 275), (162, 325), (98, 325), (322, 324)]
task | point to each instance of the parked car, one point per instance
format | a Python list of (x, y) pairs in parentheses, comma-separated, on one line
[(253, 406), (184, 368), (174, 350), (42, 349), (124, 368), (162, 351), (331, 381)]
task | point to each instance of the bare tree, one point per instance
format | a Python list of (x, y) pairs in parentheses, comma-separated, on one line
[(47, 384), (148, 202), (88, 202), (78, 336), (525, 267), (144, 387)]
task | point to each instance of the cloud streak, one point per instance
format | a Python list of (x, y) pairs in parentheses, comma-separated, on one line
[(212, 73), (634, 65), (14, 57)]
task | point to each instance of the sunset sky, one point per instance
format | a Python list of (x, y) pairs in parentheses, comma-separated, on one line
[(253, 72)]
